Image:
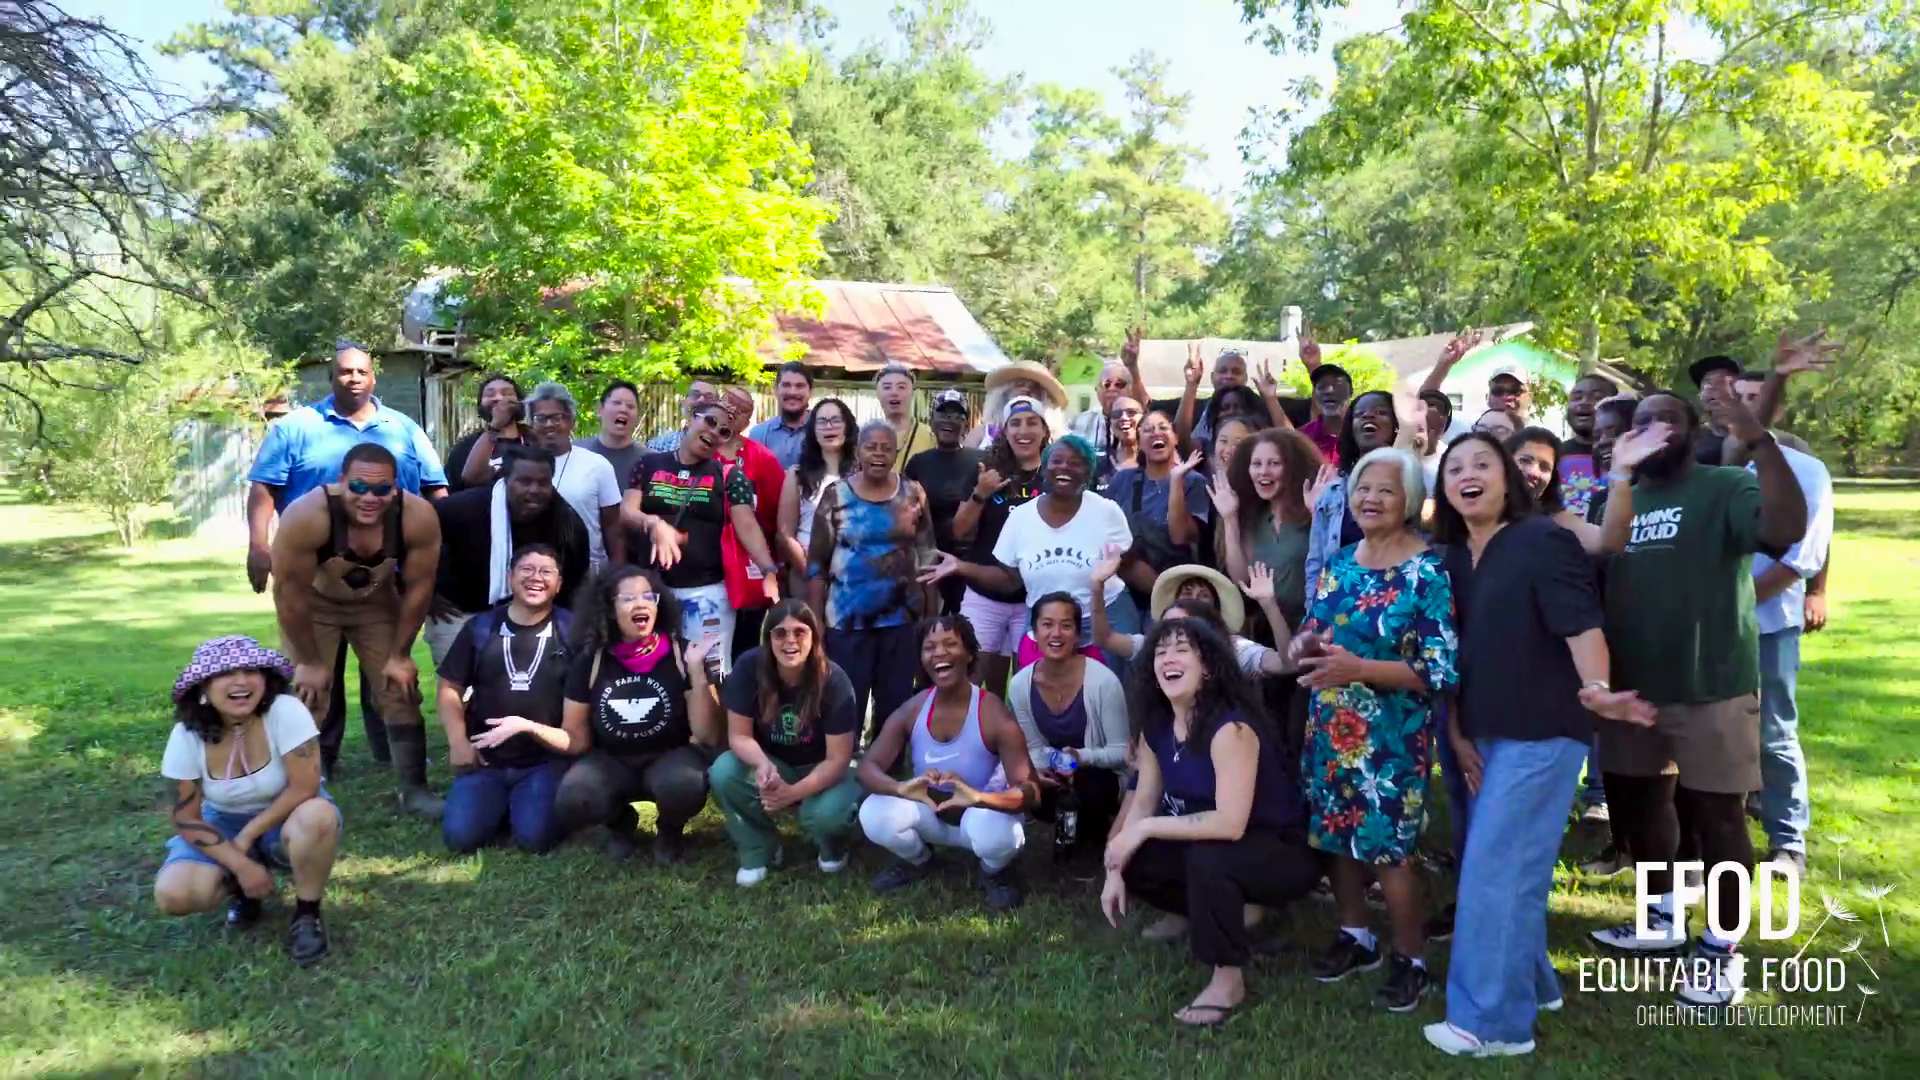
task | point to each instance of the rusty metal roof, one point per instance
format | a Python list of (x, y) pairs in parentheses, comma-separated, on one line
[(868, 325)]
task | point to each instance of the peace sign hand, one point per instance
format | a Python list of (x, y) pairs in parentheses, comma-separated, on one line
[(1130, 349), (1195, 367)]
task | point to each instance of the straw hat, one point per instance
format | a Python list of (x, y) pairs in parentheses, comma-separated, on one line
[(1035, 373), (1233, 607)]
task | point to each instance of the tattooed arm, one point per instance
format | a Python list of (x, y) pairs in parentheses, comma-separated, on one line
[(303, 782), (194, 829)]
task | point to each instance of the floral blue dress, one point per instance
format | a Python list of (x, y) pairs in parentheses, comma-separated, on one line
[(1367, 751)]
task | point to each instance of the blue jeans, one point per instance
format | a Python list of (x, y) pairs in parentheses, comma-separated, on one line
[(483, 799), (269, 851), (1785, 811), (1594, 792), (1459, 802), (1499, 974)]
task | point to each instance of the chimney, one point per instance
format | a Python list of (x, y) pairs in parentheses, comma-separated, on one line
[(1290, 323)]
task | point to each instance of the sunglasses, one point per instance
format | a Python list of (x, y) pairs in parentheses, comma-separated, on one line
[(361, 487), (725, 431)]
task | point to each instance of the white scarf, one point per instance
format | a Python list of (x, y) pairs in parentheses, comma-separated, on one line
[(500, 554)]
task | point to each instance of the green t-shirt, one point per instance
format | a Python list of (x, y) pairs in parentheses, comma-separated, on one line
[(1680, 598)]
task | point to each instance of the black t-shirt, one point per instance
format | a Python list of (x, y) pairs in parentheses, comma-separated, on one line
[(947, 478), (629, 713), (694, 498), (1533, 589), (462, 450), (993, 518), (508, 669), (787, 740), (466, 546)]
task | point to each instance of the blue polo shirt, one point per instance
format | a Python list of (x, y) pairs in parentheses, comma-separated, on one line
[(304, 450), (785, 442)]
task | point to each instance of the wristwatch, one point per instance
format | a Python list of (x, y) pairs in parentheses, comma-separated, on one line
[(1601, 685)]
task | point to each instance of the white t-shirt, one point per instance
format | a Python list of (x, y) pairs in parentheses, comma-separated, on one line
[(587, 482), (1059, 560), (1250, 653), (289, 725)]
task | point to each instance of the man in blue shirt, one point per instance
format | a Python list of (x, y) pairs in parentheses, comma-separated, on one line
[(786, 430), (303, 451)]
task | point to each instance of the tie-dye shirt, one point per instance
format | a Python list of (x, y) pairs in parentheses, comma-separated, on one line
[(870, 553)]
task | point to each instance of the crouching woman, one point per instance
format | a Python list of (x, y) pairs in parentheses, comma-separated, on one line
[(245, 760)]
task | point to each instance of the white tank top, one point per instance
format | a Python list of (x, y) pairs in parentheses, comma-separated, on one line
[(804, 533), (968, 756)]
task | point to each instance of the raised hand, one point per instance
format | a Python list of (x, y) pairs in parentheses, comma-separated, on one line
[(1637, 446), (1195, 366), (1259, 586), (1225, 502), (1263, 379), (1811, 353), (1309, 350), (1108, 565), (1186, 465), (1459, 346), (1130, 348), (989, 482), (1314, 488)]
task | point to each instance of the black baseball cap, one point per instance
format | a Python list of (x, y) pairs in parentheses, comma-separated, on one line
[(950, 399), (1707, 365), (1328, 371)]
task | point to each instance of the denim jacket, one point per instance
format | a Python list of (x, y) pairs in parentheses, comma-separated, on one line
[(1323, 538)]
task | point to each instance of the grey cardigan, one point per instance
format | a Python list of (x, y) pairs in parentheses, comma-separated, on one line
[(1107, 727)]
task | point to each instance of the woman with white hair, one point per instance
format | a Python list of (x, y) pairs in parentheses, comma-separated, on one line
[(1020, 379), (1377, 649), (586, 480)]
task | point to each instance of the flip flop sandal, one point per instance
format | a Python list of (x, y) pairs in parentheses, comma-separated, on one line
[(1221, 1014)]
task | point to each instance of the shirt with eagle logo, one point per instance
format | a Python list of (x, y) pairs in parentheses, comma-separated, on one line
[(633, 712)]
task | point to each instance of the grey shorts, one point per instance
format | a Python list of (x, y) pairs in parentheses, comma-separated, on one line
[(1714, 747)]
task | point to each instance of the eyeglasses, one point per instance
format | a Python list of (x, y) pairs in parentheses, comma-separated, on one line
[(543, 573), (723, 430), (637, 598), (829, 422), (378, 491), (1127, 414), (548, 419)]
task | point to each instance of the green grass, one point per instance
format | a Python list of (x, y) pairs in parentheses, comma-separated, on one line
[(569, 964)]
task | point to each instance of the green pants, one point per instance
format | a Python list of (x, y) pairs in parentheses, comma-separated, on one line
[(826, 816)]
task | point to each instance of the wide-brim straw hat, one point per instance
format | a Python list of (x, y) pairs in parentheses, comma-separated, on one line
[(225, 655), (1233, 606), (1037, 373)]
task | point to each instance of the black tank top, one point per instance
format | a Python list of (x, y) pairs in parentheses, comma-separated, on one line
[(346, 575)]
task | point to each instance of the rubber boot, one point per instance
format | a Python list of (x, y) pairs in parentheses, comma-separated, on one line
[(410, 768)]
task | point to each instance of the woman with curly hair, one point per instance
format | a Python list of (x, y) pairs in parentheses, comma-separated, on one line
[(1215, 821), (1263, 514), (244, 757), (651, 710), (1378, 650)]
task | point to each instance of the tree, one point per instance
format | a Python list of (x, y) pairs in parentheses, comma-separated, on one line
[(292, 174), (1620, 174), (615, 181), (84, 207)]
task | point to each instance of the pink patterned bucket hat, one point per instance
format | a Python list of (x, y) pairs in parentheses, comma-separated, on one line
[(222, 655)]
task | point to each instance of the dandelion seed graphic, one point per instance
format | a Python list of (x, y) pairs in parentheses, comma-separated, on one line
[(1840, 855), (1877, 893), (1835, 910), (1865, 993), (1853, 948)]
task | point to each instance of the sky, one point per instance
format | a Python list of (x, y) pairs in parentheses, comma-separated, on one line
[(1074, 43)]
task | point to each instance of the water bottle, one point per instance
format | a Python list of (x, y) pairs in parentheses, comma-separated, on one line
[(716, 658), (1062, 762)]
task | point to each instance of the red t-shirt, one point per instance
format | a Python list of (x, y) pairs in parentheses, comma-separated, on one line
[(1327, 441), (764, 469)]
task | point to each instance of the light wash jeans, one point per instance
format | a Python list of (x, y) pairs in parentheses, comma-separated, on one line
[(1785, 811), (1499, 975)]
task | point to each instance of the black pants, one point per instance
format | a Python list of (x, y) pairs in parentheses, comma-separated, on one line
[(333, 726), (601, 787), (1095, 793), (881, 664), (1212, 881), (1661, 821), (747, 623)]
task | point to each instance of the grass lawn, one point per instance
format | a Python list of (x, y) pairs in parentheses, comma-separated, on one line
[(570, 964)]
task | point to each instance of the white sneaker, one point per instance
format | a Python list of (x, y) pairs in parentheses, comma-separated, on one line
[(1712, 977), (831, 866), (1665, 935), (1462, 1043), (747, 879)]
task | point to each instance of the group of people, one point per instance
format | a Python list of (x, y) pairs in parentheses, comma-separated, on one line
[(1219, 654)]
